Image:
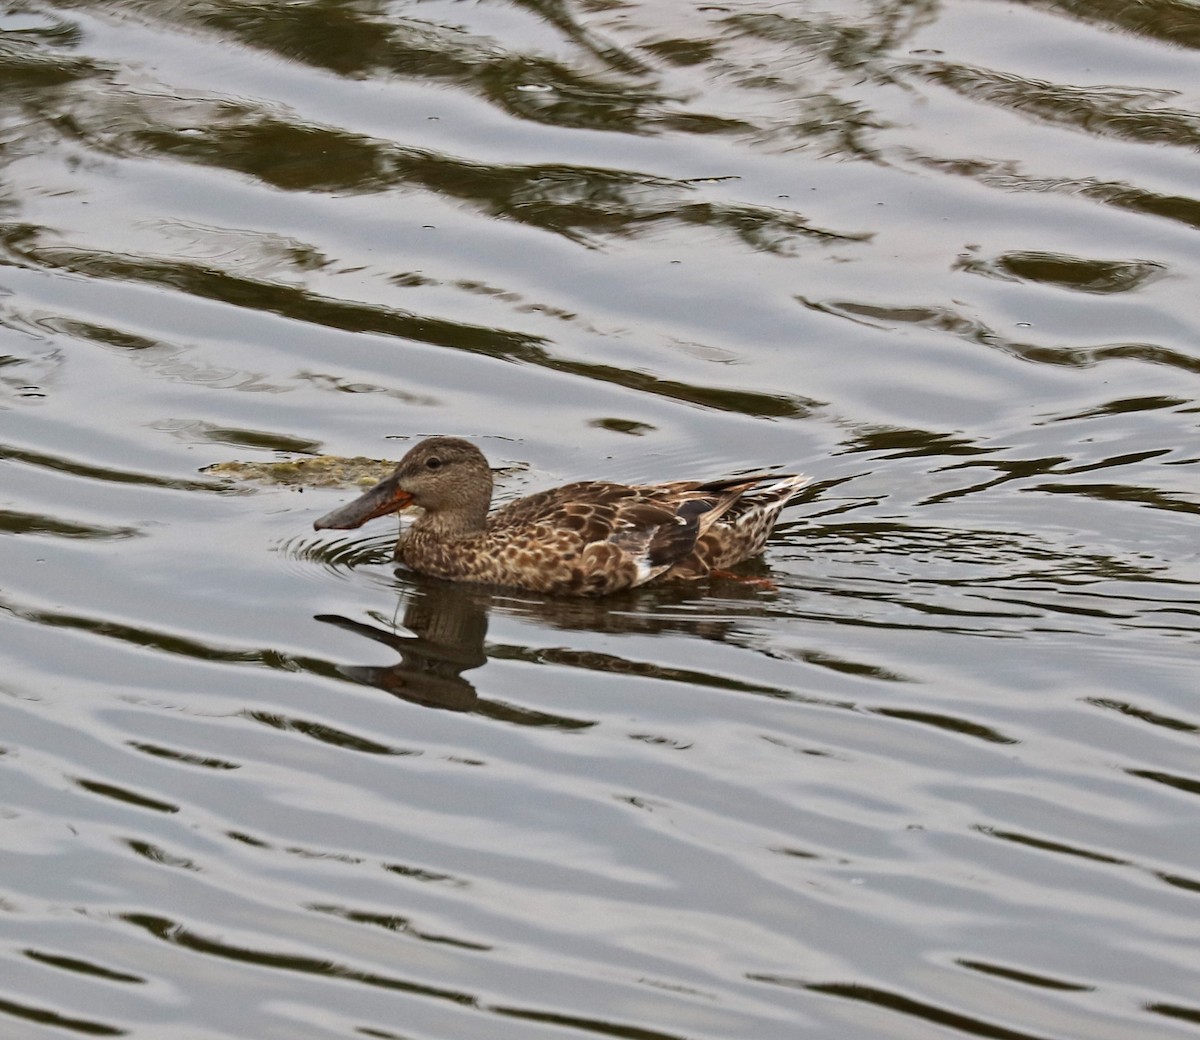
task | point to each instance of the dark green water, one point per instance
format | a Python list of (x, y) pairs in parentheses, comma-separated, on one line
[(941, 780)]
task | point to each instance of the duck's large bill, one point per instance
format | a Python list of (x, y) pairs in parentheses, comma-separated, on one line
[(385, 497)]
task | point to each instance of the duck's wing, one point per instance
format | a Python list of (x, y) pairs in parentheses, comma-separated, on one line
[(659, 526), (595, 537), (741, 530)]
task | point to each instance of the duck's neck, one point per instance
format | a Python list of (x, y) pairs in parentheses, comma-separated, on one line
[(463, 521)]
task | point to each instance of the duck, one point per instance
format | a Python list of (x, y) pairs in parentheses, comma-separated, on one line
[(589, 538)]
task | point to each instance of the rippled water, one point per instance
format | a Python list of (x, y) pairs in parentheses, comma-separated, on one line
[(939, 780)]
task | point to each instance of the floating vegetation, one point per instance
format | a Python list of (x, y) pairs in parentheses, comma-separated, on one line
[(310, 471)]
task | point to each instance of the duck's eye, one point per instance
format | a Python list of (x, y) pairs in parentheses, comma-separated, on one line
[(433, 462)]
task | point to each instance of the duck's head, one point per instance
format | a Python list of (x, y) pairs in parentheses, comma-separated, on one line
[(444, 476)]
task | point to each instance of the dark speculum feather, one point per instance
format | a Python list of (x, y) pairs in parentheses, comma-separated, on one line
[(673, 542)]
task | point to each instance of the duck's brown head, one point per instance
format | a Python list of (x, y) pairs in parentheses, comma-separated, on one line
[(447, 477)]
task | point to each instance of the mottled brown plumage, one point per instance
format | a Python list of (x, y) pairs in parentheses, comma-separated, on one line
[(583, 539)]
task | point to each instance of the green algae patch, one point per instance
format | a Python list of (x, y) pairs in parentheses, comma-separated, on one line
[(330, 471)]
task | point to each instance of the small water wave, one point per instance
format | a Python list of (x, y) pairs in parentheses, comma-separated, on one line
[(336, 554), (986, 582)]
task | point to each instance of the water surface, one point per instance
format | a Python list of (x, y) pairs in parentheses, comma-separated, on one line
[(937, 779)]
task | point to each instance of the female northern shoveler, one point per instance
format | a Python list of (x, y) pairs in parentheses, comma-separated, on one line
[(583, 539)]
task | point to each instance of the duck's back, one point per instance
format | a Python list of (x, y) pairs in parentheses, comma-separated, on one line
[(596, 537)]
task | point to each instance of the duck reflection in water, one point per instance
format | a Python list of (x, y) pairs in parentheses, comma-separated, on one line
[(447, 626)]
